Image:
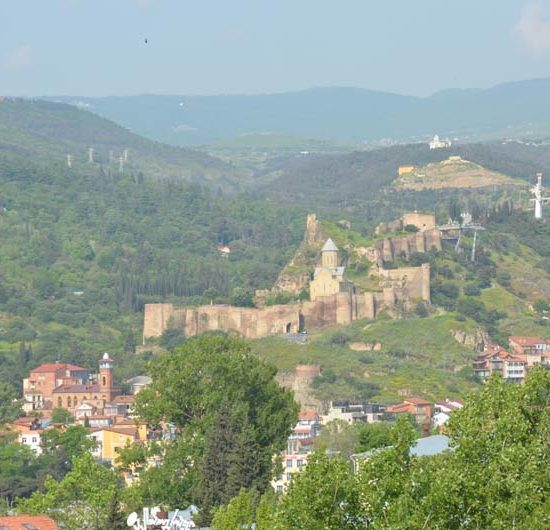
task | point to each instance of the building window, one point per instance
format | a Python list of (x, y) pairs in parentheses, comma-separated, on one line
[(34, 440), (104, 381), (23, 440), (300, 463), (289, 477), (279, 489), (69, 402), (289, 463), (59, 402)]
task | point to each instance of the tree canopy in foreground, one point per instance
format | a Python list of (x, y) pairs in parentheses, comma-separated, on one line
[(496, 475)]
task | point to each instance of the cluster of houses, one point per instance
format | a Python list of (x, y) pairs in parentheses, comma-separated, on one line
[(513, 365), (428, 416), (92, 400), (96, 403)]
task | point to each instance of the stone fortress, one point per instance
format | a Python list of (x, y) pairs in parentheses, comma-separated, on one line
[(333, 298)]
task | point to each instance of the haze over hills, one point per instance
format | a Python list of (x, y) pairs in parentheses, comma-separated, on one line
[(52, 131), (509, 110)]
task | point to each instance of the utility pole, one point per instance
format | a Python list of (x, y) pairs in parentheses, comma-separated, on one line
[(69, 160), (121, 164), (125, 154), (90, 155)]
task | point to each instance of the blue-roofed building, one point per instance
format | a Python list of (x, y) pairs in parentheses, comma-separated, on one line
[(428, 446)]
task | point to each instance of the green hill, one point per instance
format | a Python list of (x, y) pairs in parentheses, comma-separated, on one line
[(51, 131), (83, 248), (430, 353)]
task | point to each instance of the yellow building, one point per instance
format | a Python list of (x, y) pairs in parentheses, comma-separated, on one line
[(404, 170), (328, 279), (110, 440)]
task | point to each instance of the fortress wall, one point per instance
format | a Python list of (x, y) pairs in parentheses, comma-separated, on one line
[(156, 319), (344, 308), (422, 221), (365, 305), (251, 323), (433, 239), (416, 279), (422, 242)]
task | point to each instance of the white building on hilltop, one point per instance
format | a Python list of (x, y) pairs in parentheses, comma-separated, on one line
[(437, 143)]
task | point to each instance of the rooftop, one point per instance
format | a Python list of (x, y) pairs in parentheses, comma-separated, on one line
[(416, 401), (308, 415), (527, 341), (77, 389), (54, 367), (30, 522), (329, 246)]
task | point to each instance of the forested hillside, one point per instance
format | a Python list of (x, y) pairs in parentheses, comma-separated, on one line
[(82, 251), (364, 178), (51, 131), (84, 248)]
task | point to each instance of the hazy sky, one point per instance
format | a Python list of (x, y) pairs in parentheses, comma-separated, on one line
[(96, 47)]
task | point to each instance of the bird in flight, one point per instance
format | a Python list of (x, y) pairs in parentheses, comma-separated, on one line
[(146, 41)]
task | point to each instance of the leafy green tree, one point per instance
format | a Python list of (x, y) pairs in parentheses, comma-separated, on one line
[(19, 467), (61, 415), (321, 496), (374, 436), (230, 411), (83, 500), (73, 441), (10, 406), (239, 513), (242, 297), (340, 437), (541, 306)]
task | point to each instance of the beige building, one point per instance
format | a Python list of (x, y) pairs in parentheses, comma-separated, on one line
[(328, 279)]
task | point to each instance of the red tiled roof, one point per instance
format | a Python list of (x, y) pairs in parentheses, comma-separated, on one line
[(53, 367), (129, 431), (16, 522), (527, 341), (506, 356), (417, 401), (75, 389), (308, 415), (402, 407)]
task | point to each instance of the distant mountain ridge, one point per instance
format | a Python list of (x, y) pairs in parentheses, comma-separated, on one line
[(519, 109)]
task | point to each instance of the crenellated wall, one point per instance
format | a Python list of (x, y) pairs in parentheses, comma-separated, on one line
[(252, 323), (392, 247)]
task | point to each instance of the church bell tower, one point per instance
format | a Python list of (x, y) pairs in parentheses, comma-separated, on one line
[(106, 377), (329, 255)]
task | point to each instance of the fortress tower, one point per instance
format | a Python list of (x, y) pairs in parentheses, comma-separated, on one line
[(106, 377), (329, 255)]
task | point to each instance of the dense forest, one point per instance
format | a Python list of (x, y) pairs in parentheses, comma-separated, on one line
[(83, 251)]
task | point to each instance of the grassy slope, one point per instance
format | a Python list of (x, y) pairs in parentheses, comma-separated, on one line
[(420, 354), (417, 354), (462, 174)]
